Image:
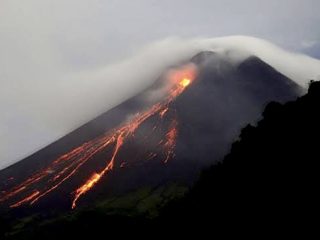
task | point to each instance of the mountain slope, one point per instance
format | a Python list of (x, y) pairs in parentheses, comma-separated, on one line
[(269, 180), (195, 130), (266, 185)]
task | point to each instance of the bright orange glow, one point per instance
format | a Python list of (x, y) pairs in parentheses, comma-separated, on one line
[(97, 176), (86, 187), (69, 164), (185, 82)]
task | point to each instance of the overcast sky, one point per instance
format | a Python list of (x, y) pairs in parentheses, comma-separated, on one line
[(84, 33), (43, 40)]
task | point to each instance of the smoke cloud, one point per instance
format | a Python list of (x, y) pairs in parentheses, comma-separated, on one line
[(42, 104)]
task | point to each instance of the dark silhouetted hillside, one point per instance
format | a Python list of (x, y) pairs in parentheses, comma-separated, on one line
[(268, 181)]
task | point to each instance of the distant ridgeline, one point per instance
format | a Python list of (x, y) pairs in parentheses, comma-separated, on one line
[(269, 180)]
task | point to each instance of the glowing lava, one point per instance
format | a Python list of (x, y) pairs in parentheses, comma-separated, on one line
[(62, 169), (97, 176), (170, 142), (26, 199), (185, 82)]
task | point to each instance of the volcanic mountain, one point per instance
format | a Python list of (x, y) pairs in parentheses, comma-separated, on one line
[(184, 122)]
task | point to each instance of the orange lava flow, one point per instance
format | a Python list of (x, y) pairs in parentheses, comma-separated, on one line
[(170, 143), (66, 166), (97, 176), (26, 199)]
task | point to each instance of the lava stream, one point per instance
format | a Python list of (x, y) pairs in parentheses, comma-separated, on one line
[(170, 143), (97, 176), (63, 168), (26, 199)]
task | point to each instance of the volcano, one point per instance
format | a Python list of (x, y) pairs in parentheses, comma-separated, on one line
[(184, 122)]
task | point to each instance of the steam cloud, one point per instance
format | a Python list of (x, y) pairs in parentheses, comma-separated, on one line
[(39, 110)]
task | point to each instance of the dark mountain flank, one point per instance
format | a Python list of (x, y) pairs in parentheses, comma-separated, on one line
[(166, 135), (266, 185)]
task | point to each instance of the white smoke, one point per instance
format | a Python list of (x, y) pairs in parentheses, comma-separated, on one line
[(296, 66), (38, 111)]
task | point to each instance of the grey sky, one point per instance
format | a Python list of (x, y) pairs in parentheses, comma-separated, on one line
[(89, 32), (45, 40)]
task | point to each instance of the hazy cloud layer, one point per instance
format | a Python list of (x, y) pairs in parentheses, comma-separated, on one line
[(57, 67)]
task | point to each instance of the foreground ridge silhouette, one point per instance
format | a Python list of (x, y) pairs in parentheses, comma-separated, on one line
[(269, 180)]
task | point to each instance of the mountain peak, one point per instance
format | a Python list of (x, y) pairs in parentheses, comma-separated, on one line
[(137, 144)]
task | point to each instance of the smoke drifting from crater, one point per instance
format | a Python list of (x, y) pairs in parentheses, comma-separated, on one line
[(37, 111)]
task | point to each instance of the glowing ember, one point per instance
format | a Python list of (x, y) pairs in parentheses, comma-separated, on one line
[(69, 164), (185, 82)]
